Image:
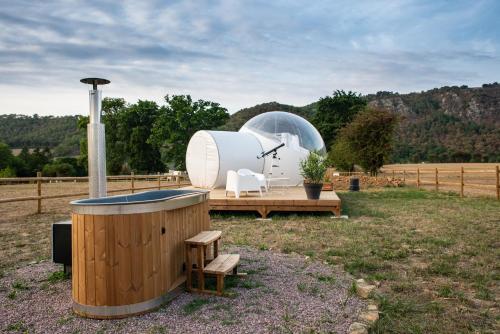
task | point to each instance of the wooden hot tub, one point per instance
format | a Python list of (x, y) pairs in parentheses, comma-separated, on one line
[(128, 250)]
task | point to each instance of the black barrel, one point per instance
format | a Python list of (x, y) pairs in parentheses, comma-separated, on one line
[(354, 184)]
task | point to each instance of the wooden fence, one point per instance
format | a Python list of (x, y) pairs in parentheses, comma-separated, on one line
[(440, 177), (162, 181)]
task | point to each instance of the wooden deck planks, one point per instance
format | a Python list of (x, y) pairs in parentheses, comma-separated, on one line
[(291, 199)]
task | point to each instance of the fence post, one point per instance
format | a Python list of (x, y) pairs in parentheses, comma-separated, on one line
[(462, 181), (418, 178), (159, 181), (39, 191), (498, 183), (437, 180), (178, 180), (404, 175), (132, 181), (393, 174)]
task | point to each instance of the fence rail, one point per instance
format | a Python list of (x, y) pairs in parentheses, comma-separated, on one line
[(173, 181), (439, 177)]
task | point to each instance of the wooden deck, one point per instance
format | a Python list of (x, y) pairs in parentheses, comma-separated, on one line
[(288, 199)]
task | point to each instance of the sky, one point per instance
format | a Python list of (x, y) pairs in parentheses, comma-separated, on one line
[(239, 53)]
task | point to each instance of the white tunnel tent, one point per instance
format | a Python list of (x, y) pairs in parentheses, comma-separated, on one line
[(211, 154)]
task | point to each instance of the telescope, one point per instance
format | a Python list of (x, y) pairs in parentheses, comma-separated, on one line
[(273, 150)]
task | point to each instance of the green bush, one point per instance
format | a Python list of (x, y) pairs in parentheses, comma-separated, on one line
[(58, 169), (7, 172)]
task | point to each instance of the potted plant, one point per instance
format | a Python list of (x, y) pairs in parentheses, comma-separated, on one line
[(313, 170), (327, 184)]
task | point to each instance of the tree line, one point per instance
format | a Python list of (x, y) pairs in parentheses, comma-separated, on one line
[(147, 137)]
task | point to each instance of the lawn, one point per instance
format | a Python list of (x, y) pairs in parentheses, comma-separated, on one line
[(434, 255)]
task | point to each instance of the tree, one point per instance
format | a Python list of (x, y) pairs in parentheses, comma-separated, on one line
[(341, 156), (37, 160), (116, 143), (58, 169), (135, 126), (127, 128), (369, 138), (5, 155), (334, 112), (178, 121)]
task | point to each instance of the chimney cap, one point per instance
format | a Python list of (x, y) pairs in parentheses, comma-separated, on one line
[(95, 81)]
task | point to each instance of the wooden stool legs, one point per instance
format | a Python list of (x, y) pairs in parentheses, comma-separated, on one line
[(201, 265), (220, 284), (189, 268)]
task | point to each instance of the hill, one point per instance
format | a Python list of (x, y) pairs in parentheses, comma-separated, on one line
[(448, 124), (240, 117), (57, 133)]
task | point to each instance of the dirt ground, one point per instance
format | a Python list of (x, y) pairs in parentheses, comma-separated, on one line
[(280, 294), (57, 205), (435, 255), (24, 234)]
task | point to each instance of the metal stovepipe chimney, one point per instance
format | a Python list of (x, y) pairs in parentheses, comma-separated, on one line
[(96, 141)]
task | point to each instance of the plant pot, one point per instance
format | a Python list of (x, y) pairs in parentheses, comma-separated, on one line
[(327, 186), (313, 190)]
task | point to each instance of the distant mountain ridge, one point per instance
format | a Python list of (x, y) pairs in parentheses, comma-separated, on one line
[(448, 124), (59, 133)]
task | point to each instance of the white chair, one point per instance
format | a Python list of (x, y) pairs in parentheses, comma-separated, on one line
[(260, 177), (238, 183)]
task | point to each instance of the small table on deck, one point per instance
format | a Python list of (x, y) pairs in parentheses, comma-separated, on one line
[(200, 242), (277, 180)]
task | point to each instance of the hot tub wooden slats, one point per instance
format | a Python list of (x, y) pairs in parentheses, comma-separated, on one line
[(81, 254), (125, 259), (100, 260), (111, 260), (156, 253)]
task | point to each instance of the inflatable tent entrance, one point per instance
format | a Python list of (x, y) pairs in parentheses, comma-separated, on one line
[(210, 154)]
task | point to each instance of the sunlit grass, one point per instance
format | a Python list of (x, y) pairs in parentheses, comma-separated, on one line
[(434, 254)]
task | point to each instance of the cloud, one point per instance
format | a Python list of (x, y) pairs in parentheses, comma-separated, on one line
[(239, 53)]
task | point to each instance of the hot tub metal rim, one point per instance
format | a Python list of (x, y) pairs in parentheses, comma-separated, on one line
[(79, 201), (168, 203)]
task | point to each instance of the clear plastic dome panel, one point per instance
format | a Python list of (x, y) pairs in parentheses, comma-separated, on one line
[(273, 124)]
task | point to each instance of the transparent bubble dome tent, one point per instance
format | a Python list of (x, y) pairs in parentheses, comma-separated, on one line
[(276, 125), (210, 154)]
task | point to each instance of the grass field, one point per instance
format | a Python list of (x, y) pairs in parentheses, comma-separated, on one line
[(435, 255)]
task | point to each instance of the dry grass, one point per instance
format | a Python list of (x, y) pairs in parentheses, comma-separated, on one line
[(435, 255), (475, 173), (25, 235), (59, 205)]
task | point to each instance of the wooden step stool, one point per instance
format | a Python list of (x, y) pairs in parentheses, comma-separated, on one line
[(220, 266)]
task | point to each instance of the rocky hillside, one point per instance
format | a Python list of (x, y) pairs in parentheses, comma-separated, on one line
[(448, 124)]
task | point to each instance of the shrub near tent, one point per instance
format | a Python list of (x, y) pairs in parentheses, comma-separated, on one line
[(368, 138)]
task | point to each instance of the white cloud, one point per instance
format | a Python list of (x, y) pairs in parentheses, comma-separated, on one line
[(239, 53)]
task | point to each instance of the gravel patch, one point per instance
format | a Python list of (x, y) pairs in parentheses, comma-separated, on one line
[(281, 294)]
